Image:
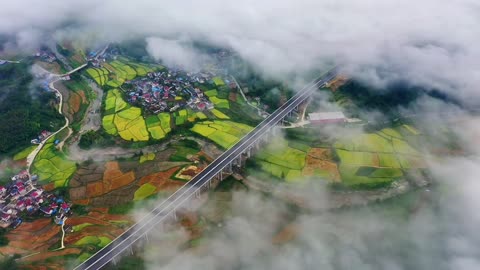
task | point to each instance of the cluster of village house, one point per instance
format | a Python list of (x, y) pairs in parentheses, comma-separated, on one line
[(46, 55), (24, 196), (158, 90), (41, 137)]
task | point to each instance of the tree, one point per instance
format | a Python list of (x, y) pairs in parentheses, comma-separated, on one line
[(3, 239)]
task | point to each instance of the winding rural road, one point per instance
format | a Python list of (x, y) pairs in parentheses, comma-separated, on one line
[(57, 77)]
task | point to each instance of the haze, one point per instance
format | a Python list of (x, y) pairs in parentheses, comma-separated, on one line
[(429, 42)]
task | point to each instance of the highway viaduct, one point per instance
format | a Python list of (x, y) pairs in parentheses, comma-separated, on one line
[(186, 197)]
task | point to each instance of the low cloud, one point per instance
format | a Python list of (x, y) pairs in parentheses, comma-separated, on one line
[(431, 43), (175, 53), (437, 230)]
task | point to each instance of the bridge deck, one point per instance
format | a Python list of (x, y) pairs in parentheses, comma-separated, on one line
[(186, 192)]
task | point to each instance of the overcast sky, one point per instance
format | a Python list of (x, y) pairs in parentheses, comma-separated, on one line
[(429, 42)]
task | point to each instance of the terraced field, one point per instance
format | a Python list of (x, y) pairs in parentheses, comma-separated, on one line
[(221, 103), (123, 119), (100, 75), (281, 160), (223, 133), (116, 73), (378, 158), (220, 115), (367, 160), (181, 117), (51, 166)]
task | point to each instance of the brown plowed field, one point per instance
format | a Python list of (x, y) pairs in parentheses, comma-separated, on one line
[(74, 103), (44, 256), (321, 159), (162, 180)]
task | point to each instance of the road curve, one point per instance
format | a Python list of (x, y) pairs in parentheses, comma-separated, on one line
[(167, 207), (58, 77)]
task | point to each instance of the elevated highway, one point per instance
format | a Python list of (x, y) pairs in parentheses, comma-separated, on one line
[(202, 182)]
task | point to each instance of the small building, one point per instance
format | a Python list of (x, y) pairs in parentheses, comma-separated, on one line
[(22, 191), (6, 217), (48, 210), (37, 193), (322, 118), (21, 205), (65, 208)]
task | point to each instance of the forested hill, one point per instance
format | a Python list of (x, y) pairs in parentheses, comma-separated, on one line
[(24, 111)]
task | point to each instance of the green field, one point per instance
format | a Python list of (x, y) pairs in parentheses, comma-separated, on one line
[(220, 103), (158, 125), (223, 133), (98, 241), (285, 156), (357, 158), (372, 142), (24, 153), (218, 81), (201, 116), (123, 119), (211, 93), (144, 191), (351, 178), (147, 157), (218, 114), (108, 125), (181, 117), (51, 166), (100, 75), (154, 127), (165, 119), (389, 160), (281, 160), (368, 160), (116, 73), (80, 227), (376, 159)]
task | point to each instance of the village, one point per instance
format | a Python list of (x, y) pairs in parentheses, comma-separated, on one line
[(169, 91), (23, 197)]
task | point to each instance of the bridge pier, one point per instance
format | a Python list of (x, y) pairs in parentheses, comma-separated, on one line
[(175, 215), (239, 161)]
